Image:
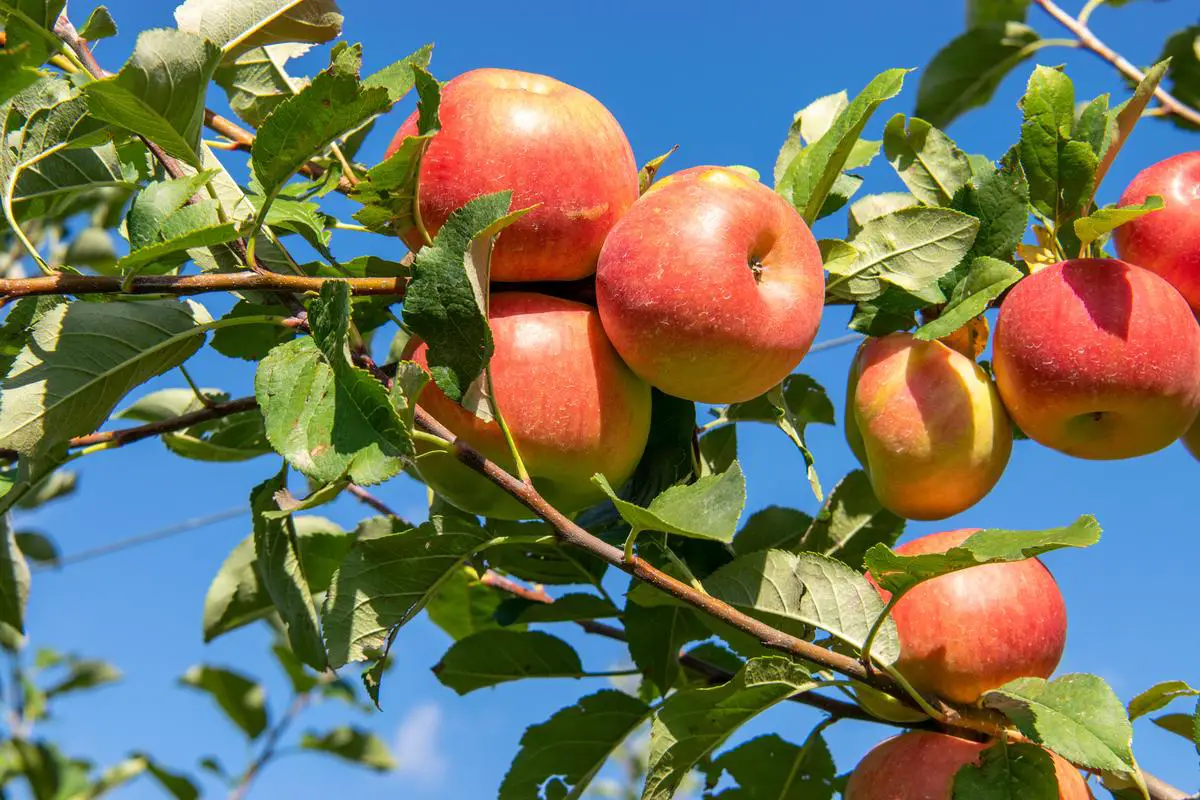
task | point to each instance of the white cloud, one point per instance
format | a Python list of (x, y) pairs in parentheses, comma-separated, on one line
[(418, 745)]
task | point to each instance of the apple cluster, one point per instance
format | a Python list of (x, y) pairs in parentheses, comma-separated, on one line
[(709, 286), (1096, 358)]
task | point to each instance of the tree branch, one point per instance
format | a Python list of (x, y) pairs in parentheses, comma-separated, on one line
[(64, 284), (243, 140), (1093, 43), (269, 747)]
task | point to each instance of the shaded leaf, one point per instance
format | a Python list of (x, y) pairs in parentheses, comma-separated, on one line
[(242, 700), (986, 281), (496, 656), (463, 605), (352, 744), (159, 93), (927, 160), (568, 608), (239, 25), (772, 528), (966, 72), (82, 358), (706, 509), (568, 749), (656, 634), (769, 768), (852, 522), (1077, 716), (691, 723), (1008, 772)]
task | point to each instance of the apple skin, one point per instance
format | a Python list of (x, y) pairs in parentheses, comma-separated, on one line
[(974, 630), (922, 765), (1167, 241), (573, 407), (711, 287), (1098, 359), (927, 425), (556, 147)]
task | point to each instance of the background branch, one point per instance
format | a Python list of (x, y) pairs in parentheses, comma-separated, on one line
[(64, 284), (1091, 42)]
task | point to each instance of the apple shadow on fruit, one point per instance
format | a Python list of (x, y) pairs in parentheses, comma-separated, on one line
[(1109, 303)]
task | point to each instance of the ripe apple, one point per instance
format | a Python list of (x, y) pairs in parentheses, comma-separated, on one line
[(574, 409), (971, 631), (1167, 241), (556, 147), (927, 425), (922, 765), (1098, 359), (711, 287)]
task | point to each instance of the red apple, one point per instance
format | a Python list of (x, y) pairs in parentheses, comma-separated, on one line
[(1098, 359), (573, 407), (921, 766), (1166, 241), (711, 287), (971, 631), (556, 147), (927, 425)]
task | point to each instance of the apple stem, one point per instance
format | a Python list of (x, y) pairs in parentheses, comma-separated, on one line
[(627, 555), (876, 627), (522, 473)]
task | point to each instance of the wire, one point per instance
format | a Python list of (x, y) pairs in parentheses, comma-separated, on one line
[(829, 344), (186, 526)]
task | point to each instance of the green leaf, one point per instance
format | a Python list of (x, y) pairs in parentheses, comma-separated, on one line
[(301, 679), (910, 249), (237, 437), (852, 522), (84, 674), (257, 81), (1008, 772), (99, 25), (237, 596), (965, 73), (898, 574), (986, 281), (38, 547), (14, 579), (706, 509), (277, 561), (388, 191), (987, 12), (445, 303), (163, 224), (999, 199), (568, 608), (159, 93), (58, 484), (769, 767), (691, 723), (656, 634), (796, 591), (1183, 48), (242, 700), (568, 749), (250, 342), (791, 407), (491, 657), (1105, 220), (399, 77), (812, 173), (302, 127), (1158, 697), (1185, 725), (352, 744), (772, 528), (16, 74), (874, 206), (927, 160), (386, 580), (240, 25), (541, 562), (328, 418), (30, 23), (464, 605), (82, 358), (1077, 716), (1129, 112), (717, 450)]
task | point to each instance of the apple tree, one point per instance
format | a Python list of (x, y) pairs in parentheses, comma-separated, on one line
[(564, 357)]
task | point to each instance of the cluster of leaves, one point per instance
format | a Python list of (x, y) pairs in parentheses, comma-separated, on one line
[(126, 151)]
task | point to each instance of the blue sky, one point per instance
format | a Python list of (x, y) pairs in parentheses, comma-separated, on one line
[(721, 81)]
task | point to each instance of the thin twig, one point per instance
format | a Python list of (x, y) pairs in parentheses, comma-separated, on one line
[(371, 500), (270, 744), (242, 139), (1093, 43)]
